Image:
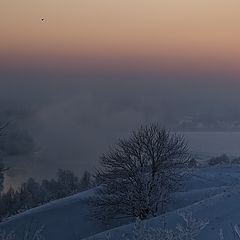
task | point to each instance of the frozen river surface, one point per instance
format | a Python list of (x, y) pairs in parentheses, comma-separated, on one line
[(214, 143)]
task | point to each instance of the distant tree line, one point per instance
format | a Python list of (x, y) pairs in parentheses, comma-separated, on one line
[(32, 194), (2, 167), (223, 159)]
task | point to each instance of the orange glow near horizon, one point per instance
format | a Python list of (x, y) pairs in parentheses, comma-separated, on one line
[(125, 30)]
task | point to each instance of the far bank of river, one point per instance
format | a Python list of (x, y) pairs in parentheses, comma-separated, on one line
[(214, 143)]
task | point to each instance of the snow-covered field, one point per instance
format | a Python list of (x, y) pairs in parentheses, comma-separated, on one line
[(210, 193)]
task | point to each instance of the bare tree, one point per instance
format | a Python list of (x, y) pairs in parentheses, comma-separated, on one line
[(85, 181), (3, 128), (68, 183), (139, 174), (2, 167)]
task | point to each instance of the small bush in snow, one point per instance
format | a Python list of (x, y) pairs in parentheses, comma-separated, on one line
[(36, 235), (6, 236), (28, 234), (236, 160), (236, 233), (191, 228), (192, 163), (141, 232)]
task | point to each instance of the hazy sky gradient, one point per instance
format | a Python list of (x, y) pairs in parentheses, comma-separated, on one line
[(92, 33)]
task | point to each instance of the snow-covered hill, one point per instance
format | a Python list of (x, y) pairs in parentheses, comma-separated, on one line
[(63, 219), (211, 193)]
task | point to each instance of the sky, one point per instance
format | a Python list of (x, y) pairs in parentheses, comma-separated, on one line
[(71, 85), (96, 33)]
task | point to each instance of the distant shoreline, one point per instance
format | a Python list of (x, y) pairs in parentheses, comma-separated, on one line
[(208, 130)]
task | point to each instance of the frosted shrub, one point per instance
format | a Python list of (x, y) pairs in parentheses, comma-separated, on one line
[(191, 228), (7, 236), (236, 232), (37, 235), (142, 232), (28, 235), (221, 237)]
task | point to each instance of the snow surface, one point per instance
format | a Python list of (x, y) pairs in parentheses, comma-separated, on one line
[(210, 193)]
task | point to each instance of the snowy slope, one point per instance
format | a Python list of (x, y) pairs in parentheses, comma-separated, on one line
[(62, 219), (211, 193), (222, 211)]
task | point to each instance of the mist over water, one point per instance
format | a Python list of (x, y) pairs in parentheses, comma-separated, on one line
[(214, 143), (73, 118)]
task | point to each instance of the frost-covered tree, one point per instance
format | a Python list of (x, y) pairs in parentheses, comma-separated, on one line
[(68, 182), (9, 203), (139, 174), (51, 189), (31, 194), (85, 182), (2, 167), (17, 142)]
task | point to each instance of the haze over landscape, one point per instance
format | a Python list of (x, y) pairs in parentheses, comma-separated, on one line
[(92, 70)]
